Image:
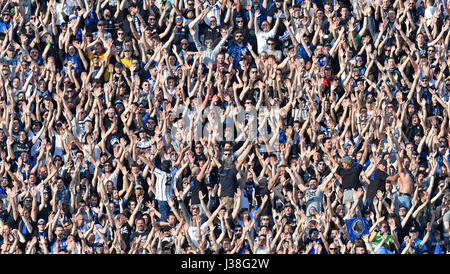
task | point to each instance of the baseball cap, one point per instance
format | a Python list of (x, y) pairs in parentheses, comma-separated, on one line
[(201, 158), (139, 186), (413, 229), (72, 16), (370, 100), (21, 96), (114, 140), (263, 180), (41, 221), (36, 122), (101, 23), (383, 162)]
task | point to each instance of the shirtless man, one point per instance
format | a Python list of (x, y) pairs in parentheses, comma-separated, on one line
[(405, 182)]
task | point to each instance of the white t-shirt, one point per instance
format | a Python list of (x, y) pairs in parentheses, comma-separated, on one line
[(192, 230), (112, 178), (261, 39), (165, 183)]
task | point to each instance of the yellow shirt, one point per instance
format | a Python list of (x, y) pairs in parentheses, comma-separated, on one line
[(101, 58), (126, 63)]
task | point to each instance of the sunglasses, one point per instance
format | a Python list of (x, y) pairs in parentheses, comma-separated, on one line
[(209, 42), (270, 44)]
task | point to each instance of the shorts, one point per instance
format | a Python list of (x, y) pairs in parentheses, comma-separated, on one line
[(230, 204), (348, 196)]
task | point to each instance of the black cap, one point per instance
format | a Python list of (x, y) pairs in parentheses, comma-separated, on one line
[(101, 23), (383, 162), (370, 100), (413, 229), (327, 67), (202, 157)]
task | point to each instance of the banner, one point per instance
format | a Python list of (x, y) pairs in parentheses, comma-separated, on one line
[(356, 228)]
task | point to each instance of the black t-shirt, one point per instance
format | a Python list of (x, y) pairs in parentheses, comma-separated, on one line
[(209, 33), (197, 187), (137, 234), (180, 34), (378, 183), (350, 177), (125, 231), (19, 147), (228, 181)]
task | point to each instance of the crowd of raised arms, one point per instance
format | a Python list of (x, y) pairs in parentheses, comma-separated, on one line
[(233, 126)]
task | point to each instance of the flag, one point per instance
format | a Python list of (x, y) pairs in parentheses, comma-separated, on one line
[(356, 228), (437, 250)]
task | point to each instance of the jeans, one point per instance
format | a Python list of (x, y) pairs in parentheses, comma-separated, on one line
[(164, 209), (404, 200)]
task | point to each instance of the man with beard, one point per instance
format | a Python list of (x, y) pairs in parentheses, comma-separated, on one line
[(57, 239), (235, 49)]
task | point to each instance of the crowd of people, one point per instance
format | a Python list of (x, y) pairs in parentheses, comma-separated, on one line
[(235, 127)]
